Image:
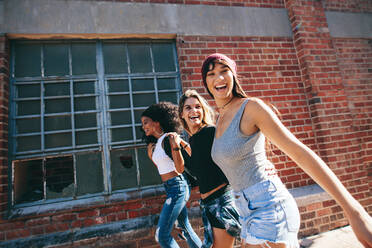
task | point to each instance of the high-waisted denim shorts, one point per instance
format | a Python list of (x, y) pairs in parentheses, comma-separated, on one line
[(268, 212)]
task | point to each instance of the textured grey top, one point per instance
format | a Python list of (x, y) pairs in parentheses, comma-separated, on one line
[(242, 158)]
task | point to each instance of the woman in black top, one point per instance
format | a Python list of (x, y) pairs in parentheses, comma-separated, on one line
[(220, 217)]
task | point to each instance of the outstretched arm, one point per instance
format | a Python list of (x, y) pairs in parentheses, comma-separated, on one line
[(265, 120)]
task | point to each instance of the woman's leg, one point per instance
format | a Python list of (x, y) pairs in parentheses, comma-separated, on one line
[(222, 239), (191, 237)]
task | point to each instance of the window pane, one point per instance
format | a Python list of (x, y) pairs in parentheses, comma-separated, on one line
[(166, 83), (163, 57), (121, 134), (120, 118), (28, 107), (28, 181), (118, 85), (27, 60), (115, 58), (28, 90), (84, 103), (120, 101), (139, 133), (137, 115), (58, 140), (56, 59), (57, 105), (142, 84), (86, 120), (57, 89), (86, 137), (53, 123), (89, 174), (83, 58), (28, 143), (59, 177), (140, 60), (149, 175), (84, 87), (143, 100), (168, 97), (29, 125), (123, 169)]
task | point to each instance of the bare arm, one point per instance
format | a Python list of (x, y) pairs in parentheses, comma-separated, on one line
[(175, 141), (264, 119)]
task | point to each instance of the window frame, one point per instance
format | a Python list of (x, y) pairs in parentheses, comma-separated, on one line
[(105, 144)]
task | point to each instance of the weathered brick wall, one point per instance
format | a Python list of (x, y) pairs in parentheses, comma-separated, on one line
[(4, 96), (348, 6)]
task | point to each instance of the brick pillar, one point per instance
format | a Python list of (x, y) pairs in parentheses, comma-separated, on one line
[(338, 143), (4, 96)]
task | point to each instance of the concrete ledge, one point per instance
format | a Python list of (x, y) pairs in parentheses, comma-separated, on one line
[(309, 194)]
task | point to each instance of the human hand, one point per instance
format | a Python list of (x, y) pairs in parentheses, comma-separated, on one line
[(361, 223), (174, 139)]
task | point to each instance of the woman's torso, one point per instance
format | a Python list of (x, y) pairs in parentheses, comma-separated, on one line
[(241, 157), (208, 174)]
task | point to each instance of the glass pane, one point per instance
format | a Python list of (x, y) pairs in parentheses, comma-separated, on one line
[(86, 120), (168, 97), (166, 83), (89, 174), (28, 107), (118, 85), (83, 58), (28, 90), (84, 103), (139, 133), (149, 174), (115, 58), (57, 89), (28, 181), (120, 101), (27, 60), (84, 88), (123, 169), (28, 143), (143, 100), (163, 57), (57, 105), (120, 118), (137, 115), (86, 137), (58, 140), (56, 59), (52, 123), (139, 57), (121, 134), (28, 125), (142, 84), (59, 177)]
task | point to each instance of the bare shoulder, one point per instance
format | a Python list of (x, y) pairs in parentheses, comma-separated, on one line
[(255, 107)]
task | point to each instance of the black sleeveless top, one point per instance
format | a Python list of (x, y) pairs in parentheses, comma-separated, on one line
[(201, 165)]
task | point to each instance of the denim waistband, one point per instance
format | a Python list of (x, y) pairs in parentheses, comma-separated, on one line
[(174, 180), (217, 194)]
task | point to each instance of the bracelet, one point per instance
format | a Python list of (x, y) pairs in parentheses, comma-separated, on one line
[(176, 149), (184, 147)]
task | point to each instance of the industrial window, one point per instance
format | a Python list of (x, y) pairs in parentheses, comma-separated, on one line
[(75, 107)]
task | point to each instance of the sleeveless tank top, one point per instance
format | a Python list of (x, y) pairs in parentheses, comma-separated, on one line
[(163, 162), (242, 158)]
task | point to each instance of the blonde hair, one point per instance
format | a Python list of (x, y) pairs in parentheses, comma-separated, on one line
[(208, 116)]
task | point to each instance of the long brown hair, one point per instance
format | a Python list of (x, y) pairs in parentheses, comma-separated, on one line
[(208, 113)]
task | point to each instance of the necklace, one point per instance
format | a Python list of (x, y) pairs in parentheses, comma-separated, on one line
[(226, 104)]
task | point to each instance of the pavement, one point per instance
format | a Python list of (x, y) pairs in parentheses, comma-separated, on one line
[(339, 238)]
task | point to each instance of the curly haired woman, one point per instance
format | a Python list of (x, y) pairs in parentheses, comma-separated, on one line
[(158, 121)]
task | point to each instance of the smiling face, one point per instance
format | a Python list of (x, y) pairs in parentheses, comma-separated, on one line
[(193, 113), (220, 81), (149, 126)]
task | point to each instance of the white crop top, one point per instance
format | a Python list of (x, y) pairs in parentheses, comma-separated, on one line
[(163, 162)]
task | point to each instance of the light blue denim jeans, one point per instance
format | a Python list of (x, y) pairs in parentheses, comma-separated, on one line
[(174, 209), (268, 212)]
